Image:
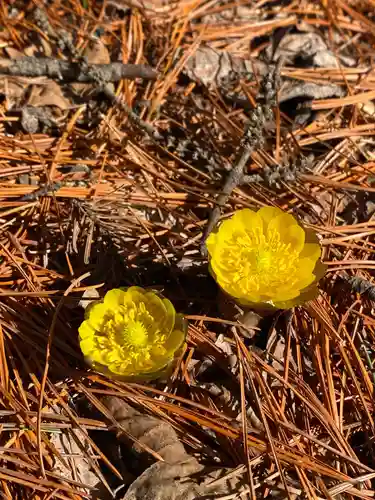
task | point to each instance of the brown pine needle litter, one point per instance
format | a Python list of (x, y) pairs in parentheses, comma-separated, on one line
[(111, 183)]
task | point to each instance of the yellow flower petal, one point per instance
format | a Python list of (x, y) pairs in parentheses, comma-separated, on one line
[(88, 346), (159, 312), (122, 368), (309, 294), (174, 341), (311, 251), (246, 219), (305, 280), (211, 243), (268, 214), (220, 269), (289, 295), (135, 293), (226, 230), (181, 323), (85, 330), (170, 317), (162, 364), (237, 291), (97, 315), (114, 298), (305, 267), (241, 223), (289, 231), (248, 301)]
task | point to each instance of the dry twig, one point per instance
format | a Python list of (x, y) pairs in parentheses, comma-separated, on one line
[(254, 137), (68, 71)]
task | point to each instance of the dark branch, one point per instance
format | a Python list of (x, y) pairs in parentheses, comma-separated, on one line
[(67, 71), (253, 138), (361, 285)]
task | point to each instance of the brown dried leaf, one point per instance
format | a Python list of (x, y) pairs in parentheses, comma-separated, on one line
[(89, 295), (212, 67), (97, 53), (31, 50), (13, 88), (14, 53), (46, 47), (176, 477), (49, 94), (309, 47), (66, 444), (232, 14)]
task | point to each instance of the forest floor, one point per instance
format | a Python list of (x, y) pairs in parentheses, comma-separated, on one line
[(109, 178)]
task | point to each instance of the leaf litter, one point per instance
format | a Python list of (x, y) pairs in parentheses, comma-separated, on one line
[(114, 186)]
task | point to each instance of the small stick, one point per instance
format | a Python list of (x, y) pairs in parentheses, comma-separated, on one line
[(99, 74), (69, 71), (234, 179), (361, 285), (43, 191), (253, 138)]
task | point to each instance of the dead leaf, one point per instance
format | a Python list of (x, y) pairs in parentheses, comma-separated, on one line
[(46, 47), (232, 14), (213, 68), (308, 47), (97, 53), (12, 88), (250, 320), (224, 345), (49, 94), (31, 50), (309, 90), (14, 53), (65, 444)]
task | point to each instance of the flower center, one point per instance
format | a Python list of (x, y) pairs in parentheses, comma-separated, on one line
[(264, 260), (260, 261), (135, 333), (130, 337)]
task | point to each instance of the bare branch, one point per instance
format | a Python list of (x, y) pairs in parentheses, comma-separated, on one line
[(67, 71)]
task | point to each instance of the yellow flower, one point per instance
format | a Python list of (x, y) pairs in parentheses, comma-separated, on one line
[(265, 258), (132, 333)]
